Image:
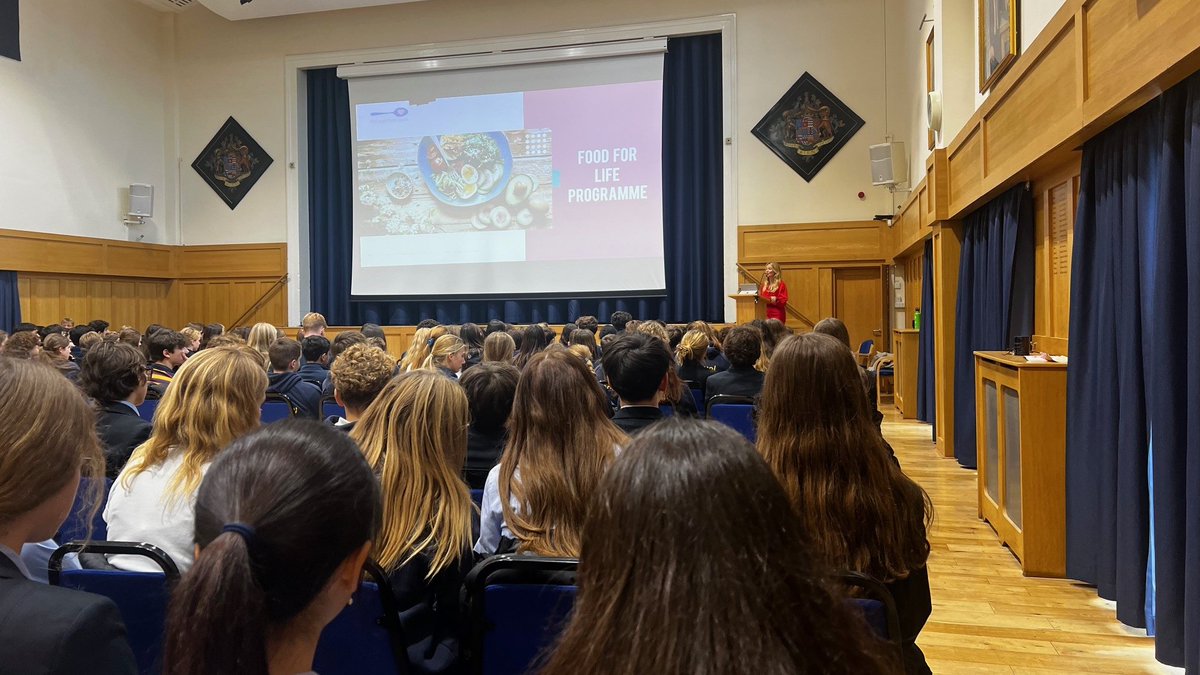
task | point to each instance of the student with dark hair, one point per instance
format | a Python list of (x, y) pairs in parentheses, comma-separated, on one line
[(315, 350), (284, 523), (473, 338), (26, 326), (588, 323), (664, 581), (284, 379), (861, 512), (428, 323), (620, 320), (743, 347), (23, 345), (581, 336), (636, 366), (357, 377), (116, 378), (130, 336), (209, 332), (76, 336), (50, 441), (165, 349), (99, 325), (564, 337), (533, 341), (496, 326), (57, 349), (836, 328), (490, 389), (374, 330)]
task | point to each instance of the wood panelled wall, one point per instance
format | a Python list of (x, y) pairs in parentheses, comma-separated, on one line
[(128, 283), (912, 268), (810, 255), (1055, 198)]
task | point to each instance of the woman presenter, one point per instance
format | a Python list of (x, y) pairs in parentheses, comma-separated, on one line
[(774, 292)]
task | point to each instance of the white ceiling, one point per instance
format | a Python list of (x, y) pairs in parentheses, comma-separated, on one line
[(257, 9)]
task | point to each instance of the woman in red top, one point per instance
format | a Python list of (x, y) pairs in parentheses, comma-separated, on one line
[(774, 291)]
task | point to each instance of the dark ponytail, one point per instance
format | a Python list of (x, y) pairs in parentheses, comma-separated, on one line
[(276, 515)]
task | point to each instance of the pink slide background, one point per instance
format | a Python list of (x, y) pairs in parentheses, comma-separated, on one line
[(593, 118)]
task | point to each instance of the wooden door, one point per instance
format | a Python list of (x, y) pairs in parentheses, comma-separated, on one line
[(858, 301)]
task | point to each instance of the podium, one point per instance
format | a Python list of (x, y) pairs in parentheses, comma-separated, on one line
[(748, 309)]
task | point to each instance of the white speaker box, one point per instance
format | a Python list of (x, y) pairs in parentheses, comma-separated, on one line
[(889, 164), (141, 200)]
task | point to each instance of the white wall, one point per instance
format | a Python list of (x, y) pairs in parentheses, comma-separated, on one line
[(82, 116), (236, 68)]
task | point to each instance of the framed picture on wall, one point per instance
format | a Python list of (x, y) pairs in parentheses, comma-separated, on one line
[(998, 45)]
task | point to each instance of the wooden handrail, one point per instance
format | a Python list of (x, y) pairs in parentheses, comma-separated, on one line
[(258, 303), (790, 310)]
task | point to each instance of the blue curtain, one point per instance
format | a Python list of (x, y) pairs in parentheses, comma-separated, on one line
[(692, 209), (10, 301), (995, 298), (926, 367), (1133, 399)]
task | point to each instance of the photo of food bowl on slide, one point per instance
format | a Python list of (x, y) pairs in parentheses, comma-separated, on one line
[(533, 192)]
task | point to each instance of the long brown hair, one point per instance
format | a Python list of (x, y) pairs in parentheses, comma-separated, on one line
[(498, 346), (302, 502), (414, 435), (694, 563), (816, 433), (215, 397), (49, 432), (561, 440)]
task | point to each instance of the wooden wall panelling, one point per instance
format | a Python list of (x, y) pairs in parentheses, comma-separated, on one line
[(947, 244), (1055, 202), (964, 162), (233, 260), (809, 242)]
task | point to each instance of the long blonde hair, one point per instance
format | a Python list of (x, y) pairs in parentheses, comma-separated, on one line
[(215, 397), (414, 435), (562, 441), (499, 346), (260, 338), (773, 266), (692, 347), (443, 348), (421, 345)]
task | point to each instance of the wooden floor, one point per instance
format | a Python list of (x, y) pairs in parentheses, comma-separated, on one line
[(987, 617)]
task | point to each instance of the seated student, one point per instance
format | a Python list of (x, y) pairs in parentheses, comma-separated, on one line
[(620, 320), (496, 326), (861, 512), (472, 337), (414, 437), (374, 331), (560, 433), (193, 336), (99, 325), (284, 521), (490, 390), (284, 379), (692, 356), (585, 338), (713, 358), (215, 398), (533, 341), (90, 339), (357, 376), (315, 352), (209, 332), (498, 347), (57, 350), (341, 343), (130, 336), (76, 336), (421, 345), (312, 324), (115, 376), (636, 366), (447, 356), (836, 328), (663, 582), (49, 443), (23, 345), (676, 395), (166, 353), (743, 347)]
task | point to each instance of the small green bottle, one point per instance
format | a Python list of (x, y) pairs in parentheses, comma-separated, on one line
[(917, 318)]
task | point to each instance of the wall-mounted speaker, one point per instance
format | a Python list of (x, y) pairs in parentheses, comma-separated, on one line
[(889, 164), (141, 200)]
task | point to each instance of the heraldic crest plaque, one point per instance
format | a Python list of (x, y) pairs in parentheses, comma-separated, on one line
[(807, 127), (232, 163)]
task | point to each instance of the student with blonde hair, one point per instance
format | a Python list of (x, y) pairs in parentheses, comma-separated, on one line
[(421, 345), (692, 355), (498, 346), (447, 356), (560, 441), (262, 336), (50, 443), (415, 438), (216, 397), (312, 324)]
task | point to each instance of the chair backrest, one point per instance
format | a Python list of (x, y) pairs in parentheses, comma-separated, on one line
[(330, 407), (667, 409), (877, 606), (518, 605), (366, 636), (698, 397), (74, 528), (276, 408), (865, 347), (736, 412), (141, 597), (147, 408)]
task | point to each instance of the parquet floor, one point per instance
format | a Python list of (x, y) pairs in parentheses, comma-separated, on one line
[(987, 617)]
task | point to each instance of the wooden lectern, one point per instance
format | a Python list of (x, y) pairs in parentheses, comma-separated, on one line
[(748, 309)]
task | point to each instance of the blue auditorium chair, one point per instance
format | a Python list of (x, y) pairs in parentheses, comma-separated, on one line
[(736, 412), (875, 602), (698, 397), (366, 637), (75, 527), (147, 408), (329, 407), (141, 597), (864, 352), (518, 605), (276, 408)]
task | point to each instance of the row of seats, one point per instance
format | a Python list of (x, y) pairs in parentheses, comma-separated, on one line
[(736, 412), (274, 408), (516, 605)]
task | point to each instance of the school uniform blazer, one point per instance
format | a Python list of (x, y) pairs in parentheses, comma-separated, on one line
[(734, 382), (633, 419), (121, 430), (47, 630)]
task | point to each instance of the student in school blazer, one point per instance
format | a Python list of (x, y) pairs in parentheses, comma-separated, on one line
[(47, 630), (121, 430)]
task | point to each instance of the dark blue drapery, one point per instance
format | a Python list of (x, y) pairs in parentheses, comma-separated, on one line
[(926, 367), (692, 209), (995, 298), (10, 301), (1132, 388)]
